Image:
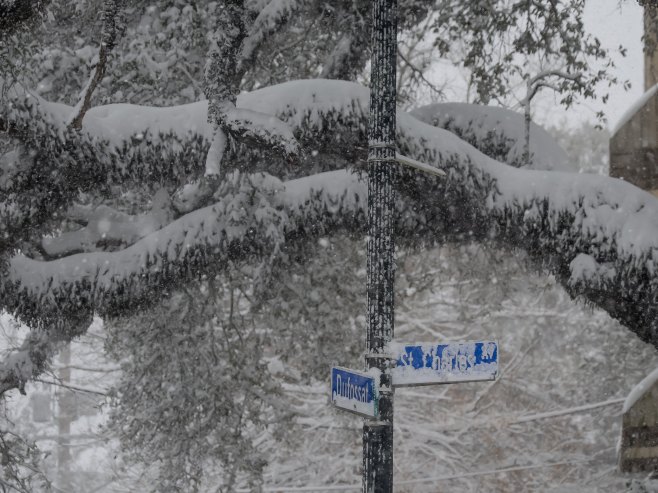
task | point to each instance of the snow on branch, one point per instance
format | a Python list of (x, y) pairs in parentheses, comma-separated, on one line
[(262, 129), (585, 270), (54, 163), (554, 216), (349, 55), (139, 141), (118, 144), (31, 359), (497, 132), (535, 82), (268, 21), (252, 219), (597, 235), (106, 226), (221, 77), (234, 40), (122, 144)]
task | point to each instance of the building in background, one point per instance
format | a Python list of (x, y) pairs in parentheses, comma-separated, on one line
[(638, 450), (634, 142)]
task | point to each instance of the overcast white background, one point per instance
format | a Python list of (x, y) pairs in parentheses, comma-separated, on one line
[(615, 23)]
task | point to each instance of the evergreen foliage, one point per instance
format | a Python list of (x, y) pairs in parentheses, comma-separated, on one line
[(264, 204)]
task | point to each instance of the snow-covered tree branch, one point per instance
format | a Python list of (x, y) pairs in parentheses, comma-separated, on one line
[(211, 210), (581, 228)]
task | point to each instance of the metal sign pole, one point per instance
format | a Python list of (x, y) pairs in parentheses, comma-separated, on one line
[(378, 434)]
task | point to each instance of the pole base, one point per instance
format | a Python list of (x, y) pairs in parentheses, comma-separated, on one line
[(377, 457)]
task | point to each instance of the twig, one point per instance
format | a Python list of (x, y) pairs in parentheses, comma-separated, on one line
[(71, 387), (420, 74), (108, 40)]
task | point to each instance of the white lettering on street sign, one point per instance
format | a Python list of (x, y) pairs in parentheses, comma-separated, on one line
[(427, 364), (354, 391)]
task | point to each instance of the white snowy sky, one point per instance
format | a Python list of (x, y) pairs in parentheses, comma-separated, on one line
[(615, 23)]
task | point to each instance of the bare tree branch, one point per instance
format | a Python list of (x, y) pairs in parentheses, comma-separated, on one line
[(419, 73), (271, 19), (36, 351), (110, 32), (350, 54)]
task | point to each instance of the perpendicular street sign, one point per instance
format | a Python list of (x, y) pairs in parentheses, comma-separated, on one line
[(427, 364), (354, 391)]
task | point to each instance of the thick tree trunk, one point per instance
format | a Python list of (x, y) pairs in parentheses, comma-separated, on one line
[(650, 41), (13, 15), (64, 419), (222, 78), (526, 135), (378, 435), (526, 123)]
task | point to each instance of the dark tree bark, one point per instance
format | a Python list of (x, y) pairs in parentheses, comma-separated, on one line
[(350, 55), (13, 15), (111, 30)]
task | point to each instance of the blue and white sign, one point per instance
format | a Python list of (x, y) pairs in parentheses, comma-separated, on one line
[(427, 364), (354, 391)]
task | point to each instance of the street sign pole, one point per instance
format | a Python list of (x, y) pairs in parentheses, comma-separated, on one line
[(378, 434)]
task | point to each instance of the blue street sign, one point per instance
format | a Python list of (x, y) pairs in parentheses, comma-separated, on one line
[(354, 391), (427, 364)]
